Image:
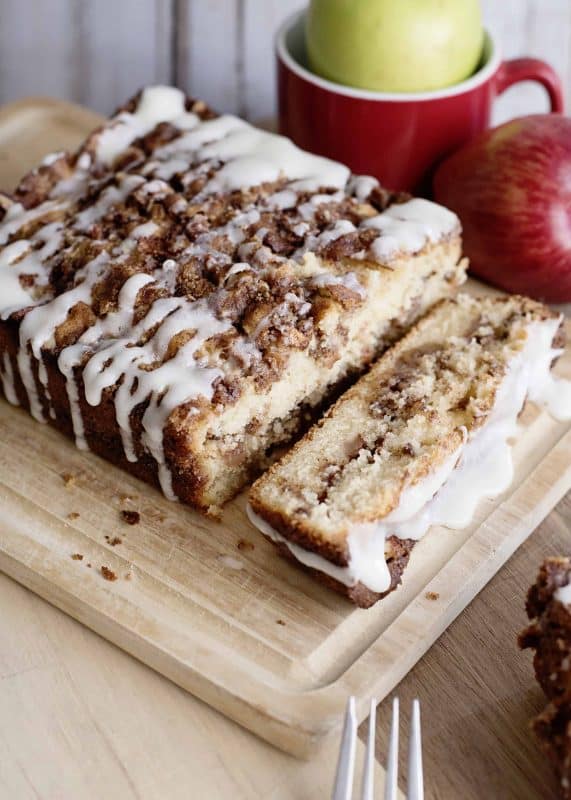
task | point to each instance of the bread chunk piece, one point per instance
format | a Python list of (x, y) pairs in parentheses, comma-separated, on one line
[(418, 441), (185, 290)]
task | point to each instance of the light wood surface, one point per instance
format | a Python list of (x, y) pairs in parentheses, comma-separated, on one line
[(100, 52), (478, 692), (81, 720), (74, 709)]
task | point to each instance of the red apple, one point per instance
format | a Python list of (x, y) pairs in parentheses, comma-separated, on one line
[(511, 188)]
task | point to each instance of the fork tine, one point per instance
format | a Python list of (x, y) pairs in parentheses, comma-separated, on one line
[(368, 785), (415, 781), (391, 780), (343, 788)]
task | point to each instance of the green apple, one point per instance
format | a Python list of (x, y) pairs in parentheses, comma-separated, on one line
[(394, 45)]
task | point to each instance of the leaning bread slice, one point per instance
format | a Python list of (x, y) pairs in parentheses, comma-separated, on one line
[(418, 441)]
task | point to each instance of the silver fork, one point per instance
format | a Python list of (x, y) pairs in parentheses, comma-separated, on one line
[(343, 788)]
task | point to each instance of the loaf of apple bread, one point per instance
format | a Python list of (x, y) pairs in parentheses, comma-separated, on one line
[(181, 293)]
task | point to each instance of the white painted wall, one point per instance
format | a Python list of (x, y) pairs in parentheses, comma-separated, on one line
[(97, 52)]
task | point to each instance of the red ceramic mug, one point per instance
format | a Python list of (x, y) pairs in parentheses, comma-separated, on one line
[(398, 138)]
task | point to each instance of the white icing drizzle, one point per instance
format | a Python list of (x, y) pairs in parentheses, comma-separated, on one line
[(157, 104), (167, 386), (481, 468), (37, 329), (7, 377), (75, 409), (110, 196), (17, 216), (349, 280), (113, 325), (251, 156), (145, 230), (43, 378), (26, 257), (407, 227), (339, 228), (563, 594), (51, 158), (545, 388), (361, 186), (279, 201), (13, 293)]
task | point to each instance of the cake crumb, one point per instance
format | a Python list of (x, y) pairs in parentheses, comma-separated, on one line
[(108, 574), (73, 515), (432, 595), (125, 498), (115, 540), (280, 622), (89, 564), (214, 512), (130, 517), (68, 479), (77, 556), (244, 545)]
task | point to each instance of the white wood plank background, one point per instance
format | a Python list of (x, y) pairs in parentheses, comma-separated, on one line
[(97, 52)]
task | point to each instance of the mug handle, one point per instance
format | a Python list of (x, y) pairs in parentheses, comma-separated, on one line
[(532, 69)]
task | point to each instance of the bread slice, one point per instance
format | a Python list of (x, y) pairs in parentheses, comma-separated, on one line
[(417, 441), (183, 292)]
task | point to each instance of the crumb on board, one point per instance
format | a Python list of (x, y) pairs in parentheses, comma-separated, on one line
[(68, 479), (128, 575), (244, 545), (113, 540), (130, 517), (73, 515), (280, 622), (432, 595), (214, 512), (108, 574), (89, 564), (125, 498), (77, 556)]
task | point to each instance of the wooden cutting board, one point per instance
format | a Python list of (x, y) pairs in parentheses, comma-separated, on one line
[(208, 604)]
